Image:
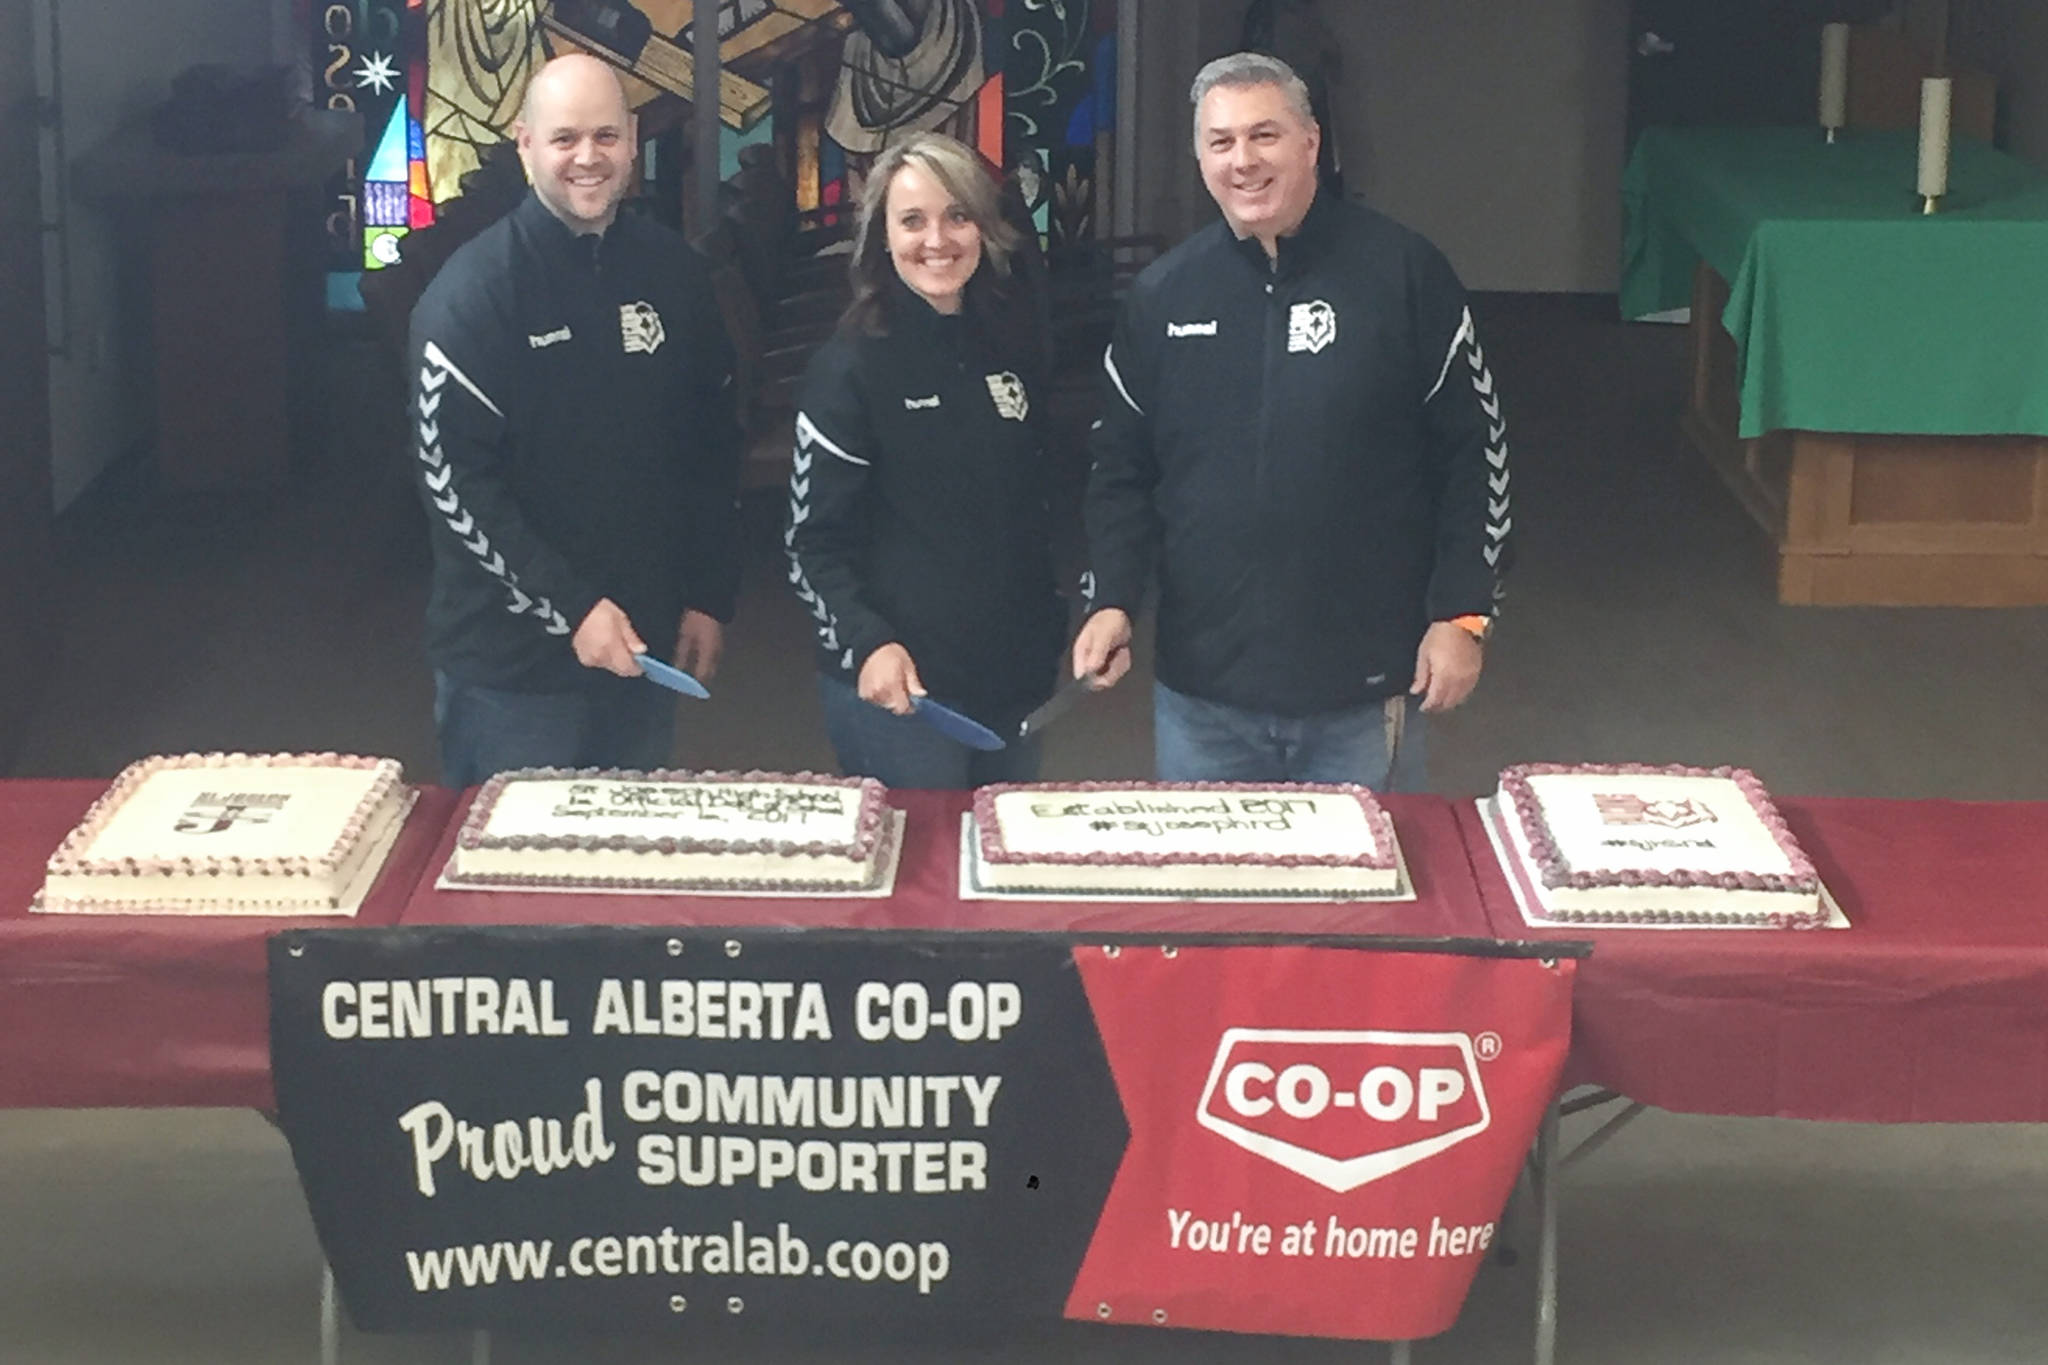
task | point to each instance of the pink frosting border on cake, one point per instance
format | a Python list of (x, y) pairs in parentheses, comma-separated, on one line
[(70, 861), (871, 820), (1556, 872), (994, 850)]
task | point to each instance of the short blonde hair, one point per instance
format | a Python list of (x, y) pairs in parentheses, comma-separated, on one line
[(960, 171)]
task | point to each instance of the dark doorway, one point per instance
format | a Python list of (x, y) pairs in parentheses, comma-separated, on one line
[(1730, 61)]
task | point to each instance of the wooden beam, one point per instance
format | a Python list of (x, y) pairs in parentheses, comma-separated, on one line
[(741, 103)]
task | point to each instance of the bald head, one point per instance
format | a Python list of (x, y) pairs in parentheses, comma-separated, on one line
[(576, 139), (572, 75)]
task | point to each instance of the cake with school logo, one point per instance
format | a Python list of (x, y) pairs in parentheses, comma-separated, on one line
[(673, 830), (1199, 840), (1633, 843), (228, 834)]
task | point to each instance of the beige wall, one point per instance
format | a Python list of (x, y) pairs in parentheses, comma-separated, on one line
[(1497, 131), (1494, 128)]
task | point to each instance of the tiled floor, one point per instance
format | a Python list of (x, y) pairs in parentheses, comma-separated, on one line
[(1641, 626)]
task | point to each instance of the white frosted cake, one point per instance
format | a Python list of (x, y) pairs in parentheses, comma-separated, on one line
[(231, 834), (1208, 839), (1634, 844), (675, 831)]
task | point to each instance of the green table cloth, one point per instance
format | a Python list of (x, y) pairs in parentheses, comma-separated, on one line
[(1852, 311)]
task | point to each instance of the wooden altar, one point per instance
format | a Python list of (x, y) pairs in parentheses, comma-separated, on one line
[(1873, 520)]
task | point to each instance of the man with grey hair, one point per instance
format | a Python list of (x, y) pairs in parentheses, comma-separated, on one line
[(1304, 441)]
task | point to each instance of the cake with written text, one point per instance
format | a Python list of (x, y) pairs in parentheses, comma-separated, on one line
[(1207, 839), (228, 834), (675, 831), (1634, 844)]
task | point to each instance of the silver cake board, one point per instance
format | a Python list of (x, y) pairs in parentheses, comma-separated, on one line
[(972, 890), (1533, 915), (882, 889), (351, 901)]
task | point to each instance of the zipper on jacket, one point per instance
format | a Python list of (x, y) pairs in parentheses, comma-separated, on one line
[(1262, 480)]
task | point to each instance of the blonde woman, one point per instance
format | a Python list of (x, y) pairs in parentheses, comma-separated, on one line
[(918, 532)]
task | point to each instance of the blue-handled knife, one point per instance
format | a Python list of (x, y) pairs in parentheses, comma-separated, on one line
[(953, 725), (671, 677)]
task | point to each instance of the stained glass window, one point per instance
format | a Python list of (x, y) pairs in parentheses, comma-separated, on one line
[(368, 57), (827, 83)]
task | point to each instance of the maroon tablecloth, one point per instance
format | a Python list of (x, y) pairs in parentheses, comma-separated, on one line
[(928, 893), (133, 1010), (1932, 1007), (118, 1010)]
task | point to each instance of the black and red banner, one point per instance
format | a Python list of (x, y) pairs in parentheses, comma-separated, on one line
[(633, 1127)]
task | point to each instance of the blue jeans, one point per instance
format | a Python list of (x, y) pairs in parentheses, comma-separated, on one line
[(608, 722), (1378, 745), (903, 751)]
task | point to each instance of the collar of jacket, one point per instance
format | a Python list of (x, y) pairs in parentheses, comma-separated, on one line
[(1299, 248), (582, 249), (911, 316)]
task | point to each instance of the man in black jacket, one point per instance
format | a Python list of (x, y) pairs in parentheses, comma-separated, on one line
[(578, 452), (1302, 437)]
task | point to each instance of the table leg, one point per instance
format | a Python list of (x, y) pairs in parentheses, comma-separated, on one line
[(1397, 1353), (1545, 1189), (479, 1348), (330, 1317)]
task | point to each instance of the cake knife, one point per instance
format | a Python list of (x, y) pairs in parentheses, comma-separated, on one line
[(671, 677), (953, 725), (1056, 705)]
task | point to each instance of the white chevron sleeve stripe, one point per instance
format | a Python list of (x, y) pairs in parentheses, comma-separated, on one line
[(1465, 334), (439, 358), (807, 432), (436, 373), (1499, 517), (800, 512)]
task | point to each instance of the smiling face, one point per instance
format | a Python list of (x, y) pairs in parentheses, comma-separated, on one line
[(1258, 157), (934, 244), (576, 141)]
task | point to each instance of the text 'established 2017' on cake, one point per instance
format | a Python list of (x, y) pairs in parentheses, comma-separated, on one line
[(1214, 840)]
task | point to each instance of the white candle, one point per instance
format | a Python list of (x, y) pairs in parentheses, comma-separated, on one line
[(1834, 75), (1935, 93)]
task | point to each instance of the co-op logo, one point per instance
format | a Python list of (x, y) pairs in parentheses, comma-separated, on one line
[(1345, 1107)]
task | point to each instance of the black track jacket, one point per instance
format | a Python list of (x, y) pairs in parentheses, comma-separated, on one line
[(918, 510), (1313, 457), (574, 439)]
